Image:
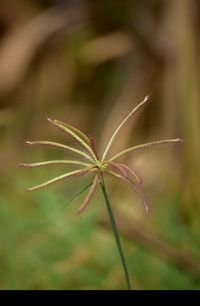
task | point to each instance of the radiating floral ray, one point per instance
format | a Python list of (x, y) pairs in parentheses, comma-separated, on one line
[(133, 173), (136, 187), (75, 130), (120, 168), (59, 178), (126, 170), (54, 162), (90, 194), (62, 146), (68, 130), (145, 146), (136, 109)]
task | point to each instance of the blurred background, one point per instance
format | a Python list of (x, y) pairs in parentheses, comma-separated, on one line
[(89, 63)]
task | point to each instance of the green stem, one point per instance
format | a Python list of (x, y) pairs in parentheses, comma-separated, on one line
[(116, 233)]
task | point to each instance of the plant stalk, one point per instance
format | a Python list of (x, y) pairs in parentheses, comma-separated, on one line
[(116, 233)]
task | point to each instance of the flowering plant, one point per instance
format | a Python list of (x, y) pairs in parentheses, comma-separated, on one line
[(90, 162)]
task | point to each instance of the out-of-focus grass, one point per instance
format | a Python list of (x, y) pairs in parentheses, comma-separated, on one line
[(45, 247)]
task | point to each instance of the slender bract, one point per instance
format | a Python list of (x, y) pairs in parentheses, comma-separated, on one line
[(121, 125), (62, 146), (127, 171), (59, 178), (55, 162), (73, 133), (136, 187), (145, 146), (75, 130), (77, 195), (90, 194)]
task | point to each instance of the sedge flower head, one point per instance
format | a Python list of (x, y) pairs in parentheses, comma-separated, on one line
[(90, 162)]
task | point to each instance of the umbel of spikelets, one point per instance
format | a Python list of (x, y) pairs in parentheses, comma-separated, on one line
[(89, 160)]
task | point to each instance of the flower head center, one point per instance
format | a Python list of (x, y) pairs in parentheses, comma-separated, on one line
[(100, 165)]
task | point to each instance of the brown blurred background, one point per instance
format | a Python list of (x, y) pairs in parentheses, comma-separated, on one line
[(89, 63)]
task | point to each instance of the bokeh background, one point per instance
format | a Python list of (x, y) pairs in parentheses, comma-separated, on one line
[(89, 63)]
